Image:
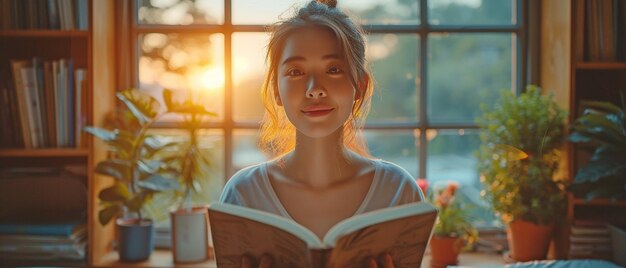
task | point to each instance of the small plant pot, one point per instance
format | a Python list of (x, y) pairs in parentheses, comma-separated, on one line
[(135, 239), (529, 241), (444, 251), (190, 235)]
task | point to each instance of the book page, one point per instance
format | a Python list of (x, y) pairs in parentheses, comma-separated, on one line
[(234, 236), (405, 239)]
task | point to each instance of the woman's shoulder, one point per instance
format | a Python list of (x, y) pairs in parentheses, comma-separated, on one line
[(393, 171), (248, 176), (241, 187), (392, 186)]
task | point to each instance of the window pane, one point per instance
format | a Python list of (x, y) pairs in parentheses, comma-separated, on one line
[(180, 12), (468, 12), (464, 71), (394, 64), (211, 144), (248, 69), (383, 12), (451, 158), (183, 62), (245, 149), (397, 146), (263, 12)]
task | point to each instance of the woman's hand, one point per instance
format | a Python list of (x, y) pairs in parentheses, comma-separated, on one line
[(386, 261), (247, 261)]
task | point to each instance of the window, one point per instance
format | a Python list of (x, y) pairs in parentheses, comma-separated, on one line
[(434, 61)]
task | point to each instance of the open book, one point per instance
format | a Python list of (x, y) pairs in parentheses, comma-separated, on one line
[(402, 231)]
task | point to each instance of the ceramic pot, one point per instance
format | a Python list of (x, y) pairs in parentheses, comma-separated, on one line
[(190, 235), (135, 239)]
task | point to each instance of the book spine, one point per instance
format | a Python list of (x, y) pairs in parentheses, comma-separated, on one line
[(43, 229), (22, 103), (32, 105)]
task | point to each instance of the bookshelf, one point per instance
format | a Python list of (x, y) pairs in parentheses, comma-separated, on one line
[(598, 72), (577, 64), (90, 46)]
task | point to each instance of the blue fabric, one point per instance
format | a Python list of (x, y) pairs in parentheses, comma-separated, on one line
[(555, 264)]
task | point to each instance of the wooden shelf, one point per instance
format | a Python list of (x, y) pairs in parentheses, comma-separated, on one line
[(600, 202), (601, 65), (43, 33), (42, 263), (159, 258), (48, 152)]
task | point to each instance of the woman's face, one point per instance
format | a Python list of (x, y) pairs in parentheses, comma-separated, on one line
[(314, 84)]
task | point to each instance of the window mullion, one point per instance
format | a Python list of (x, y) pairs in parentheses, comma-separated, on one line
[(228, 91), (423, 89)]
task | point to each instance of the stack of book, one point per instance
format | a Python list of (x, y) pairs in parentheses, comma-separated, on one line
[(590, 240), (42, 105), (52, 241), (601, 30), (43, 14)]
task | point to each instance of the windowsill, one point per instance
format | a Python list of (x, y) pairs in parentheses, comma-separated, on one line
[(159, 258), (163, 258)]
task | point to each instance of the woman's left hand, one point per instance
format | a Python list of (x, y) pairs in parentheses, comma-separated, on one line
[(386, 261)]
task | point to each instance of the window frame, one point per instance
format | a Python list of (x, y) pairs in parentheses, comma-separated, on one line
[(128, 53)]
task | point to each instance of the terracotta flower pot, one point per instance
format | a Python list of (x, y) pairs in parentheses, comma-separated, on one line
[(529, 241), (445, 251)]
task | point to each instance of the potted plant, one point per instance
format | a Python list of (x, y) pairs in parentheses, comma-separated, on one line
[(189, 222), (453, 228), (603, 126), (136, 174), (517, 159)]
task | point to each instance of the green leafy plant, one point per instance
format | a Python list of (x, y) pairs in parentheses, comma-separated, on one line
[(138, 174), (188, 160), (602, 125), (519, 154), (453, 219)]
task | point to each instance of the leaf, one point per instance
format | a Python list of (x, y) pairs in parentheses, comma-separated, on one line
[(116, 193), (116, 168), (598, 135), (149, 167), (101, 133), (157, 183), (596, 170), (601, 106), (577, 137), (606, 122), (193, 109), (135, 204), (167, 98), (119, 140), (510, 153), (106, 214), (143, 107)]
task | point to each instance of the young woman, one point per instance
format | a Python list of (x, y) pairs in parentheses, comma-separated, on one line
[(317, 92)]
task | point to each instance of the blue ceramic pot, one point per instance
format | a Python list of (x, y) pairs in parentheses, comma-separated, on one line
[(135, 239)]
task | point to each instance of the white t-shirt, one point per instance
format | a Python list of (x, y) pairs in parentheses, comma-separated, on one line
[(391, 186)]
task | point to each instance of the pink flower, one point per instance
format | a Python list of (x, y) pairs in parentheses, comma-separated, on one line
[(423, 184)]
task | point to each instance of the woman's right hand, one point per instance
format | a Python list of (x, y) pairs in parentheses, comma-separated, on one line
[(247, 261)]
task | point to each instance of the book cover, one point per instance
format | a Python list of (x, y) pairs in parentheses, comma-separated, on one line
[(402, 231)]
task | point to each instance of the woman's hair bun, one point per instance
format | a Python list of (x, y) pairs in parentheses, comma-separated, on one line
[(329, 3)]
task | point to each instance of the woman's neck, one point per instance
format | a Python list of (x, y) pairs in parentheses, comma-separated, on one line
[(320, 162)]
